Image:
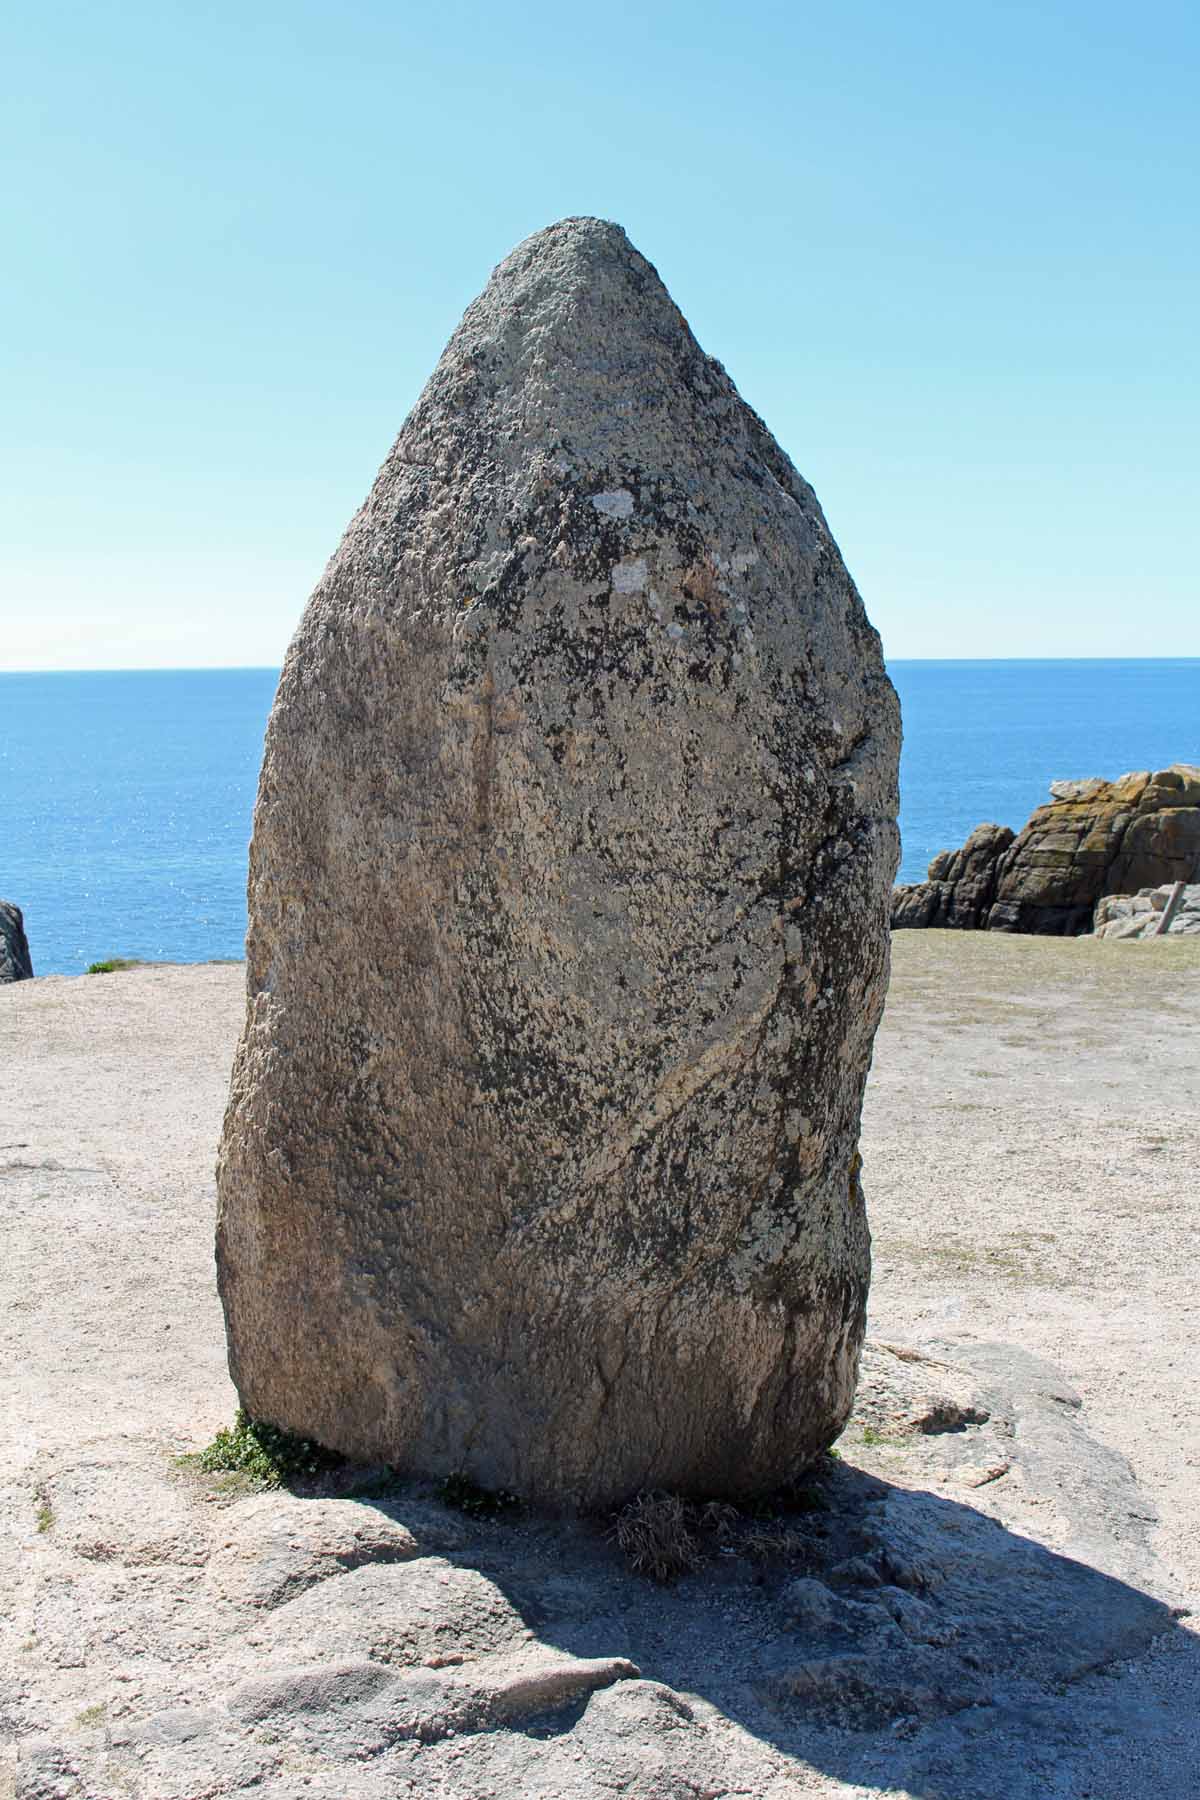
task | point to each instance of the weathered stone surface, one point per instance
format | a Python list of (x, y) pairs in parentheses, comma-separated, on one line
[(1157, 847), (278, 1547), (15, 964), (1140, 915), (402, 1613), (354, 1709), (1094, 838), (535, 1663), (568, 903)]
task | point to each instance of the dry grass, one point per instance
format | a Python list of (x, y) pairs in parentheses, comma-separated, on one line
[(777, 1543), (663, 1537), (996, 975), (655, 1535)]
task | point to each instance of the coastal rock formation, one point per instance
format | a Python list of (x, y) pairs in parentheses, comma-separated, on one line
[(961, 885), (1140, 915), (1093, 838), (568, 930), (15, 964)]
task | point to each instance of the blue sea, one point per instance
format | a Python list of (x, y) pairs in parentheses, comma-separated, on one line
[(126, 797)]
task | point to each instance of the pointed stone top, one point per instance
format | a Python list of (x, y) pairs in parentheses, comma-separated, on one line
[(582, 243), (575, 345), (577, 285), (580, 236)]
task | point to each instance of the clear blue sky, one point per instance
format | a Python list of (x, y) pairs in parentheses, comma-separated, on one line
[(950, 251)]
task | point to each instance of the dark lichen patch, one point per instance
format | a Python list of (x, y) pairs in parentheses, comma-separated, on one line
[(460, 1492)]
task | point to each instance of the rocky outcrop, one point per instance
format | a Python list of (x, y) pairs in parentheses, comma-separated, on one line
[(568, 930), (1141, 915), (1093, 838), (961, 885), (15, 964)]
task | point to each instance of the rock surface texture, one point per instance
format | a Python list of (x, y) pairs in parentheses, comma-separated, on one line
[(15, 964), (178, 1638), (568, 940), (1140, 915), (1094, 838)]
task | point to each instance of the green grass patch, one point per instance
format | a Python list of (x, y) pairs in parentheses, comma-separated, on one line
[(262, 1455), (110, 964)]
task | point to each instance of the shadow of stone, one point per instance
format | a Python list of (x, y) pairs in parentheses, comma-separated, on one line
[(905, 1640), (886, 1633), (910, 1637)]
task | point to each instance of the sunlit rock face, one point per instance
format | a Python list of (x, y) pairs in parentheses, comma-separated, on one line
[(1093, 839), (568, 930)]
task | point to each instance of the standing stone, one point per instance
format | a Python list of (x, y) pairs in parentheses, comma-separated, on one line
[(15, 964), (568, 930)]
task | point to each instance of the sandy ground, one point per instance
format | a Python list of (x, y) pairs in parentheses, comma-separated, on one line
[(1031, 1145)]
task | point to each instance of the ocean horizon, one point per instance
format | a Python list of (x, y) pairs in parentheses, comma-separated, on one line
[(128, 794)]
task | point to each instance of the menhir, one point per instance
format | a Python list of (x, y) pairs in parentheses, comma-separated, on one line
[(568, 930)]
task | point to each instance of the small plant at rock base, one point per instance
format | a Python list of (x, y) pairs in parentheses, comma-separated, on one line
[(44, 1518), (657, 1535), (466, 1496), (805, 1498), (366, 1482), (110, 964), (718, 1519), (777, 1543), (263, 1453), (662, 1536)]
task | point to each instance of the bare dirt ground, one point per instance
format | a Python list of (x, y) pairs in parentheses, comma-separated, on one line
[(1032, 1161), (1031, 1146)]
